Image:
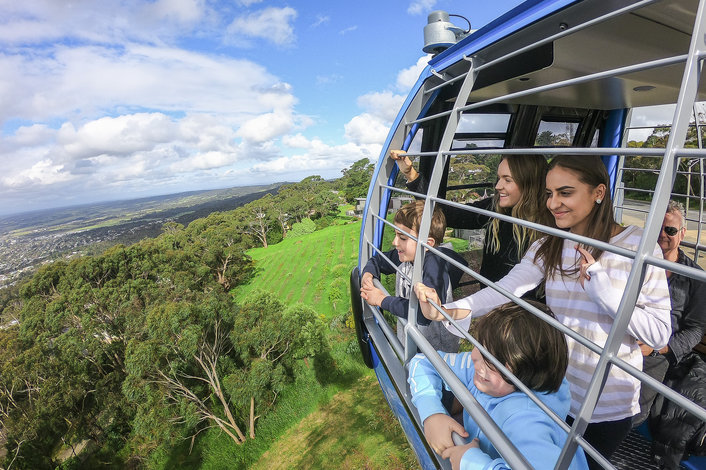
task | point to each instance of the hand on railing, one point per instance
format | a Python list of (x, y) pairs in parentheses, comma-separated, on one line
[(405, 164), (439, 429), (455, 453), (425, 295), (369, 292), (429, 303), (367, 281)]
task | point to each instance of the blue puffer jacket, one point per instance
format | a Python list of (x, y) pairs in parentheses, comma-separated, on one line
[(534, 433)]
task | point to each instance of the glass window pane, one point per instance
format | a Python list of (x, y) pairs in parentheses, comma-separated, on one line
[(483, 123), (556, 134), (461, 144)]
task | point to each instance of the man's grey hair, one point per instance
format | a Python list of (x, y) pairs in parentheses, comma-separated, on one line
[(677, 207)]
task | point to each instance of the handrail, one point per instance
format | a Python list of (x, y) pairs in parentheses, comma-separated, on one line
[(642, 257)]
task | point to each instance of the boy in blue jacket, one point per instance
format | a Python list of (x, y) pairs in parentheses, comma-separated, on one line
[(536, 354), (443, 275)]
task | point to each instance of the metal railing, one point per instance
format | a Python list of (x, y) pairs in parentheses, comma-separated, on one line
[(641, 258)]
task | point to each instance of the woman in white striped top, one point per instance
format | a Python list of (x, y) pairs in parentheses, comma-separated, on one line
[(584, 286)]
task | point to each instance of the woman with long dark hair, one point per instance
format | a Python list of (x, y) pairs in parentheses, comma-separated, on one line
[(583, 287)]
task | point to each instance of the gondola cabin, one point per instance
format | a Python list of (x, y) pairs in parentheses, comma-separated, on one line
[(618, 79)]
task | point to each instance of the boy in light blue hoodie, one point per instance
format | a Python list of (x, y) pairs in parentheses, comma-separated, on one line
[(536, 354)]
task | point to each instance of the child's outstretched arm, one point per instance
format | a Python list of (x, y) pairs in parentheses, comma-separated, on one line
[(437, 430), (426, 293), (534, 435), (426, 386)]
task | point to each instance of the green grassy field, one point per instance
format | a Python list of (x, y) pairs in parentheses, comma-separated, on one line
[(313, 269), (335, 415)]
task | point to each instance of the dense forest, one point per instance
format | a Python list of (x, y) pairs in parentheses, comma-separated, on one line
[(113, 360)]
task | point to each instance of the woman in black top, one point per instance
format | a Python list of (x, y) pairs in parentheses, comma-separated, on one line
[(519, 192)]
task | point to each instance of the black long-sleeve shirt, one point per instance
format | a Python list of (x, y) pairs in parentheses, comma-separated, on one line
[(495, 265)]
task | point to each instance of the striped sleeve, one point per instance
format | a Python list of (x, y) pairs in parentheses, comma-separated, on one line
[(651, 318)]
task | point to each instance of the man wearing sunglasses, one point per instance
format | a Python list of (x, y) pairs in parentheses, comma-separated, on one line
[(688, 308)]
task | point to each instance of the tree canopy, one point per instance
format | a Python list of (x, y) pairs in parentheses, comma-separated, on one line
[(143, 346)]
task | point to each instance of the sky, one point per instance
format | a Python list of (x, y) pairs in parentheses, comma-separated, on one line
[(118, 99)]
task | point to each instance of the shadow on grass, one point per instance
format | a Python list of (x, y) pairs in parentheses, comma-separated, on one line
[(328, 371)]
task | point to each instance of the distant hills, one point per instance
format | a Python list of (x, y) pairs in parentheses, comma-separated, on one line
[(30, 238), (116, 212)]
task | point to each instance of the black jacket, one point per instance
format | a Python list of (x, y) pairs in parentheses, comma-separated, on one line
[(688, 311), (437, 273), (677, 433)]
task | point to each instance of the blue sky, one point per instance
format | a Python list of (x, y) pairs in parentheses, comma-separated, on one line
[(105, 100)]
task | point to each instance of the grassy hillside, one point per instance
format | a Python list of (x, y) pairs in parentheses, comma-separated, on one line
[(312, 269), (335, 415)]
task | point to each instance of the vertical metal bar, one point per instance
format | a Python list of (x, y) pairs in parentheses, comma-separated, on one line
[(620, 186), (699, 226), (665, 181), (700, 162), (434, 182)]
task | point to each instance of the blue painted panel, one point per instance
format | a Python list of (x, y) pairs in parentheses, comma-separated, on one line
[(694, 463), (610, 137), (398, 408)]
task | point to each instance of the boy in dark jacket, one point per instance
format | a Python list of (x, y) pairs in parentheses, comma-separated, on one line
[(437, 271)]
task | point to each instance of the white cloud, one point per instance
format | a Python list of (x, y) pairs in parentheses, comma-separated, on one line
[(322, 159), (419, 7), (42, 21), (33, 135), (44, 172), (204, 161), (181, 11), (131, 152), (320, 19), (408, 77), (298, 141), (384, 104), (347, 30), (67, 81), (266, 127), (271, 24), (206, 133), (120, 136), (366, 129)]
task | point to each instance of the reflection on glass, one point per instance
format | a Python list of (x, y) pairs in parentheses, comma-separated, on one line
[(556, 134), (483, 123), (462, 144)]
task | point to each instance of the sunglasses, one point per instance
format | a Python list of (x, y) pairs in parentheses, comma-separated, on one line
[(671, 231)]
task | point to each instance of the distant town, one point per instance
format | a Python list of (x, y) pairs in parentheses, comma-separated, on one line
[(29, 240)]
